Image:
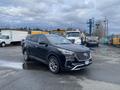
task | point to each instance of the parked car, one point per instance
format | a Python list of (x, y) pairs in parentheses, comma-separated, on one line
[(57, 52), (92, 41)]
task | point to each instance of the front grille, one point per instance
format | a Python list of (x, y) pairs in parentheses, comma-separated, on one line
[(72, 40), (92, 41), (83, 55)]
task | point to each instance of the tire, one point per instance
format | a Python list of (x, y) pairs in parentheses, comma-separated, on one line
[(87, 45), (54, 65), (25, 66), (26, 56), (3, 44)]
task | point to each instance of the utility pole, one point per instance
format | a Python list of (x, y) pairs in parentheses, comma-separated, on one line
[(90, 24), (106, 26)]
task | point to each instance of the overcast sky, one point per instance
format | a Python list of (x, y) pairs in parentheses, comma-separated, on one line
[(59, 13)]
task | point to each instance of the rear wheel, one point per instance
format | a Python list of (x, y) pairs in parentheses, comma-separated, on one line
[(54, 65), (26, 56), (25, 66), (87, 45)]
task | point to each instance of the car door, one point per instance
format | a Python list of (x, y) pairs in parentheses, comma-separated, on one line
[(33, 45), (7, 39), (42, 49)]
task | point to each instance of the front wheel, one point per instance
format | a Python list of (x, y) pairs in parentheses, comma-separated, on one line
[(54, 65)]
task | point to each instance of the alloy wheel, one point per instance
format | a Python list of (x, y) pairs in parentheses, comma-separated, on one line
[(54, 65)]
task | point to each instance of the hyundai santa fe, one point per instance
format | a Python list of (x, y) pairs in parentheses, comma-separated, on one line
[(57, 52)]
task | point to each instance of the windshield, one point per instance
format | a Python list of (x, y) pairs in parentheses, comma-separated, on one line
[(73, 34), (4, 37), (55, 39)]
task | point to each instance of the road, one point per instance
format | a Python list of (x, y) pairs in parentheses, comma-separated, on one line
[(103, 74)]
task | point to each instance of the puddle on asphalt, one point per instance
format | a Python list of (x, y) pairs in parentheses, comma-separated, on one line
[(8, 64), (21, 65)]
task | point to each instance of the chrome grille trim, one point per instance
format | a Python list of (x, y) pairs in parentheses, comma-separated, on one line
[(80, 57)]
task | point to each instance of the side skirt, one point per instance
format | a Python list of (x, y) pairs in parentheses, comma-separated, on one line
[(38, 59)]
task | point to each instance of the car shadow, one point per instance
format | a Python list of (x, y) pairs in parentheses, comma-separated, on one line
[(82, 72), (34, 65)]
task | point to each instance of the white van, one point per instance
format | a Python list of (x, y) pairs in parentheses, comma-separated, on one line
[(9, 36)]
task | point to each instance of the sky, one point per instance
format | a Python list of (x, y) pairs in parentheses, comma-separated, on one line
[(51, 14)]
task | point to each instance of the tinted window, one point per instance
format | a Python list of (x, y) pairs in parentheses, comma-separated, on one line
[(34, 38), (55, 39)]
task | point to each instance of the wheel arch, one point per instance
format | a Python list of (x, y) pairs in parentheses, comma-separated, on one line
[(61, 62), (2, 43)]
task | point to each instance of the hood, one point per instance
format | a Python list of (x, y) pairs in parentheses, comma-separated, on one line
[(73, 47)]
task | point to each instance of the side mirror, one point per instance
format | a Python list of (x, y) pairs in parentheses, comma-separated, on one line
[(43, 43)]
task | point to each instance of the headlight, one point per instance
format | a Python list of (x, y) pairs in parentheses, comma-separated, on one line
[(66, 52), (90, 55)]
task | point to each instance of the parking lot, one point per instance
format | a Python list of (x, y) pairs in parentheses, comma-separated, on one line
[(103, 74)]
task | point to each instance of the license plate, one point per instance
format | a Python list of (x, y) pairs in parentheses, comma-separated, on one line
[(87, 62)]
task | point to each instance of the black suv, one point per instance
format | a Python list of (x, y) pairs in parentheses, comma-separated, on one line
[(57, 52)]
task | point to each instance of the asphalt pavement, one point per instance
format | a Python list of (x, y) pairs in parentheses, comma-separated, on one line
[(103, 74)]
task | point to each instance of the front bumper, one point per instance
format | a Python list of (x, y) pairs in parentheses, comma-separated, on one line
[(73, 62), (77, 65), (82, 65)]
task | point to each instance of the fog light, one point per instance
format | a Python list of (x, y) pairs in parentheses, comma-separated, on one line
[(87, 62)]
